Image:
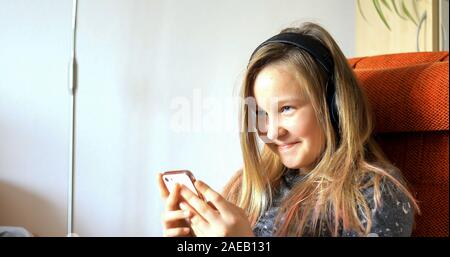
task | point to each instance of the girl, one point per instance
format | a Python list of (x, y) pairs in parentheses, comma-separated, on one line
[(319, 171)]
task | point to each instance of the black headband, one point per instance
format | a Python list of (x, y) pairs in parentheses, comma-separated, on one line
[(307, 43), (323, 56)]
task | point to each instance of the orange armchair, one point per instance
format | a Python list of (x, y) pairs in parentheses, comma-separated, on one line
[(408, 93)]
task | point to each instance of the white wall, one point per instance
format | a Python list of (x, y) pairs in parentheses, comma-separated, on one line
[(134, 58), (34, 45)]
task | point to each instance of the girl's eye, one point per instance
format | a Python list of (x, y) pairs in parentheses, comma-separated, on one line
[(286, 108)]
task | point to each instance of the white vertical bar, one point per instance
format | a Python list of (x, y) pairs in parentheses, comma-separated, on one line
[(72, 89)]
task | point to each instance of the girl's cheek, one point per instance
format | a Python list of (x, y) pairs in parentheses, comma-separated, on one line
[(298, 126), (307, 122)]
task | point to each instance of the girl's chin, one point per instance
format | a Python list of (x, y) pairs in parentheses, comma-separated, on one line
[(291, 163)]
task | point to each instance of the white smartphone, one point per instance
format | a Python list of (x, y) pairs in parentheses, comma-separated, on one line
[(182, 177)]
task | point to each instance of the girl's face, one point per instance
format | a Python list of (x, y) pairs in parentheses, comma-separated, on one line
[(286, 118)]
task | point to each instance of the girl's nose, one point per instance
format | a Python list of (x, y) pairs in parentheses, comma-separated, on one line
[(275, 131)]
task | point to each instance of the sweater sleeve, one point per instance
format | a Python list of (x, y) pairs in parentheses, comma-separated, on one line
[(393, 218)]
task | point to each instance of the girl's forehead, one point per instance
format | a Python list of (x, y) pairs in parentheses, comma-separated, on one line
[(278, 81)]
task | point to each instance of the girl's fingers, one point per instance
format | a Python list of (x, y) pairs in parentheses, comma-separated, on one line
[(185, 207), (194, 216), (171, 216), (198, 223), (173, 199), (199, 205), (173, 232), (193, 213), (211, 196), (162, 187)]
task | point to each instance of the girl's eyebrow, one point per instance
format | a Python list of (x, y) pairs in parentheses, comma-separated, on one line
[(283, 100), (289, 99)]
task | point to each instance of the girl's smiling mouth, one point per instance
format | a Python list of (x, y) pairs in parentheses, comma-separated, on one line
[(286, 147)]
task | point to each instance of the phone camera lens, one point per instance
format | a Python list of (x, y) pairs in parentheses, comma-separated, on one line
[(166, 179)]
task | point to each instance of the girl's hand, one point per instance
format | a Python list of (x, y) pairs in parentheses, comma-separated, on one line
[(174, 219), (216, 216)]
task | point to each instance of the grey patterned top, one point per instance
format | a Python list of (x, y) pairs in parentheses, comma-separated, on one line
[(394, 217)]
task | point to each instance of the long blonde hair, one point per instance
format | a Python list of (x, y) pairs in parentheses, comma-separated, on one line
[(330, 195)]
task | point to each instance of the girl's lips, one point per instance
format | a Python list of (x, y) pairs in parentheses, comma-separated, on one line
[(287, 146)]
